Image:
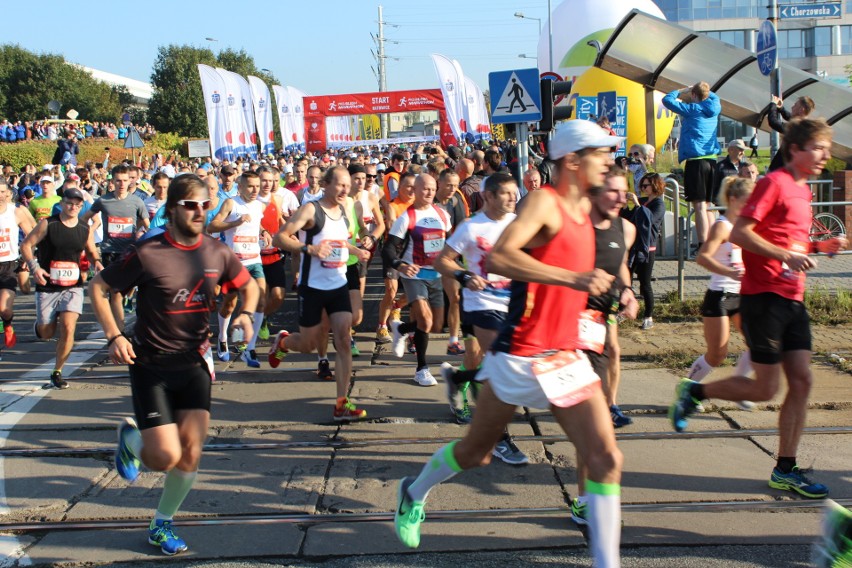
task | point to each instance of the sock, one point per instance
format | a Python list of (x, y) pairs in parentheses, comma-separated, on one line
[(699, 370), (322, 358), (7, 322), (786, 465), (697, 391), (258, 322), (407, 327), (743, 368), (440, 467), (604, 522), (582, 499), (421, 341), (383, 326), (175, 489), (460, 377), (453, 339), (223, 327)]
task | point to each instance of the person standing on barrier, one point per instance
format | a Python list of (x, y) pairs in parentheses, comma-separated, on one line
[(802, 108), (772, 230), (169, 356)]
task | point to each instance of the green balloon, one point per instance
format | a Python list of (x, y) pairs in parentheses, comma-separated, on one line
[(583, 55)]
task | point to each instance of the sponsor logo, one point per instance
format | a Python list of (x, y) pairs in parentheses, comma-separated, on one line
[(313, 105), (216, 97), (285, 109), (231, 100), (298, 109), (261, 103), (449, 86)]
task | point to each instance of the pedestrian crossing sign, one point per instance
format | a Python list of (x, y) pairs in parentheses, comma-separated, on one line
[(519, 96)]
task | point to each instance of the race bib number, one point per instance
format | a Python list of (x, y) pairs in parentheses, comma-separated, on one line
[(64, 273), (736, 257), (5, 247), (246, 247), (566, 378), (337, 257), (120, 227), (592, 333), (207, 354), (433, 244)]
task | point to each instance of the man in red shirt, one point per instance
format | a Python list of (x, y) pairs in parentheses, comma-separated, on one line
[(773, 232), (301, 171)]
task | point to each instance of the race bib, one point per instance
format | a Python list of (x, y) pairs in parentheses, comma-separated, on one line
[(337, 257), (5, 247), (433, 244), (120, 227), (207, 354), (566, 378), (592, 333), (64, 273), (246, 247), (794, 246)]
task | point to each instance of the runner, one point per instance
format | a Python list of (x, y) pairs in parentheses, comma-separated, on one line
[(56, 268), (453, 202), (553, 227), (169, 354), (419, 234), (834, 548), (772, 230), (13, 221), (42, 206), (323, 232)]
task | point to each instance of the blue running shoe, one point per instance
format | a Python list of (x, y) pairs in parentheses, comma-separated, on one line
[(619, 419), (126, 462), (579, 512), (684, 405), (797, 482), (160, 533), (250, 357)]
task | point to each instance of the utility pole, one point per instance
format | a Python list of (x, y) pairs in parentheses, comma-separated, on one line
[(775, 77), (383, 82)]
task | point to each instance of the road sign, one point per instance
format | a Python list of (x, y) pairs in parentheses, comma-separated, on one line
[(818, 11), (552, 76), (607, 105), (519, 96), (767, 47)]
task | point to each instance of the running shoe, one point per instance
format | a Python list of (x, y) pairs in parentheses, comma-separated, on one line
[(160, 533), (222, 352), (324, 370), (834, 548), (797, 482), (455, 396), (346, 411), (250, 357), (647, 323), (354, 347), (126, 462), (396, 314), (277, 350), (397, 339), (263, 332), (455, 349), (424, 378), (383, 335), (57, 381), (746, 405), (579, 512), (618, 417), (408, 515), (683, 406), (9, 336), (507, 451)]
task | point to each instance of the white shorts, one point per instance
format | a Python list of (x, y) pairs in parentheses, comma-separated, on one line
[(50, 304), (512, 380)]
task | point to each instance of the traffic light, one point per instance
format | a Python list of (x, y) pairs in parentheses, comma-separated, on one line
[(550, 113)]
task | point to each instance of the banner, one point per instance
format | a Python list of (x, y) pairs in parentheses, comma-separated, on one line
[(262, 114), (282, 107), (452, 89), (297, 116), (214, 91), (248, 115), (477, 115), (234, 117)]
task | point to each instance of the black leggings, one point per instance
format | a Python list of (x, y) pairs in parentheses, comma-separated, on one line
[(643, 272)]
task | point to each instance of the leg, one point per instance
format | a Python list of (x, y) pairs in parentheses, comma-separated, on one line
[(67, 327), (701, 225), (452, 290), (341, 325), (646, 290), (356, 298), (613, 366), (386, 302), (791, 420), (274, 300)]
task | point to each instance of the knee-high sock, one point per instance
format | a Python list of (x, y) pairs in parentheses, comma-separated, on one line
[(699, 370), (743, 368), (421, 342), (258, 323), (407, 327), (604, 523), (175, 489), (223, 327), (461, 377), (440, 467)]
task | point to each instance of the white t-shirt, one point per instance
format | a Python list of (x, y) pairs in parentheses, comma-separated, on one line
[(289, 201), (427, 239), (473, 239), (308, 196)]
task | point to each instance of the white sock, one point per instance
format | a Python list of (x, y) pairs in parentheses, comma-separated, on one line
[(454, 339), (258, 323), (699, 370), (604, 523), (440, 467), (582, 499), (223, 327), (743, 368)]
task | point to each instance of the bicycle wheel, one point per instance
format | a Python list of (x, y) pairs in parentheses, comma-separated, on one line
[(827, 226)]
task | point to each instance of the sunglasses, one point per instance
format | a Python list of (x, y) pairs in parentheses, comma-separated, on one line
[(644, 185), (192, 205), (636, 154), (370, 176)]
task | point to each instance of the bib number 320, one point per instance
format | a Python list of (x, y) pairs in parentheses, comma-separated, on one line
[(566, 378)]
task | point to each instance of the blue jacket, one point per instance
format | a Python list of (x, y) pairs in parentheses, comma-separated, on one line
[(699, 124)]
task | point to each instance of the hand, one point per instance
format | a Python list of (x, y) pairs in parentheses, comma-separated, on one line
[(121, 351), (833, 246), (244, 219), (98, 266), (631, 305), (408, 270), (41, 276), (777, 101), (363, 255), (477, 283), (321, 250), (736, 272), (244, 322), (596, 282), (798, 262), (632, 197)]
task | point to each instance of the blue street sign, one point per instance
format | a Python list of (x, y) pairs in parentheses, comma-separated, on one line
[(821, 10), (607, 105), (515, 96), (767, 47)]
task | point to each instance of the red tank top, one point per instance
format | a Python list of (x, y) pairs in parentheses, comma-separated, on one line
[(270, 222), (544, 317)]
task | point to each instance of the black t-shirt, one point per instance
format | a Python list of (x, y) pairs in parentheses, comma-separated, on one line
[(609, 256), (59, 254), (177, 289)]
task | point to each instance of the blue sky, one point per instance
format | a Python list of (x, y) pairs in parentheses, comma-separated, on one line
[(320, 46)]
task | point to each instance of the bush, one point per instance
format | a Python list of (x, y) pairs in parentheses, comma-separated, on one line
[(39, 152), (169, 141), (19, 155)]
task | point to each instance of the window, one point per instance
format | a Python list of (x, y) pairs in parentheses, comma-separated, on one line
[(846, 40), (822, 41), (795, 43)]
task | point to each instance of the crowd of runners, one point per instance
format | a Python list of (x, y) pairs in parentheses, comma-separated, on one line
[(531, 280)]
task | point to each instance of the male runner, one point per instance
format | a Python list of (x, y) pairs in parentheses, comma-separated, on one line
[(772, 230), (42, 206), (55, 266), (453, 202), (548, 252), (13, 220), (177, 273)]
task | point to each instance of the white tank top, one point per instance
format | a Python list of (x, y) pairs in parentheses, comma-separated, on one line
[(730, 255), (327, 273), (244, 239), (369, 221), (8, 234)]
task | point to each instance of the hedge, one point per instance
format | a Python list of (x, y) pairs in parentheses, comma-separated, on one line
[(39, 152)]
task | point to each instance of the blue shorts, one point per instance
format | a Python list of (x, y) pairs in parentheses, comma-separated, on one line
[(485, 319), (256, 271)]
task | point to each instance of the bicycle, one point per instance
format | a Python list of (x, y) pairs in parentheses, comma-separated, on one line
[(826, 226)]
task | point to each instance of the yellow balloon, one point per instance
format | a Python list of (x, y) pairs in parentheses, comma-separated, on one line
[(594, 81)]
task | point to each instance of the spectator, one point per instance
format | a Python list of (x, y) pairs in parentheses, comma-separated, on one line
[(754, 144), (803, 107), (729, 166), (67, 150)]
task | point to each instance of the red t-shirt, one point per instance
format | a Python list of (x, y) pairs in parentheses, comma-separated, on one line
[(296, 187), (782, 209)]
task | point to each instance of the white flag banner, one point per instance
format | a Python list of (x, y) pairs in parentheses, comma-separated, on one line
[(248, 115), (282, 106), (339, 131), (452, 88), (297, 116), (234, 113), (477, 121), (214, 90), (262, 114)]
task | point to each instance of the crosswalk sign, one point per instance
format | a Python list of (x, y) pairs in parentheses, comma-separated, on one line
[(519, 96)]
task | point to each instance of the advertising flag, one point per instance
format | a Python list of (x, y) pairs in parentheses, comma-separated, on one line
[(234, 116), (214, 90), (262, 114), (452, 88), (477, 121)]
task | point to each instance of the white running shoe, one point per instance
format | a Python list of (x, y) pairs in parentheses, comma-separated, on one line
[(746, 405), (397, 339), (424, 378)]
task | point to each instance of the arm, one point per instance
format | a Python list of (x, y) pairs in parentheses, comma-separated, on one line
[(25, 219), (743, 234), (719, 234), (286, 239), (120, 348), (671, 101), (446, 264), (92, 252), (218, 223), (773, 119), (28, 252), (376, 208)]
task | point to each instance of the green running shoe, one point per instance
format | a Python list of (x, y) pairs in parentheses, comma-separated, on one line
[(579, 512), (834, 548), (408, 516), (263, 332)]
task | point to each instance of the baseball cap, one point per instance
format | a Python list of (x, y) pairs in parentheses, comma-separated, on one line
[(228, 170), (380, 167), (72, 193), (576, 135), (737, 143), (43, 179)]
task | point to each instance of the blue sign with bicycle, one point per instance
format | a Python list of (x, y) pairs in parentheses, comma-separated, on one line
[(767, 47)]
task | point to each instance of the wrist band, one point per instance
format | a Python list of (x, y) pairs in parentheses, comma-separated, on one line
[(112, 340)]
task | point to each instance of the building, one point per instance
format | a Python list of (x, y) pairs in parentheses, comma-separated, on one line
[(140, 90)]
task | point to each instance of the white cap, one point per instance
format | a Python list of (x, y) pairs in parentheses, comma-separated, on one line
[(576, 135)]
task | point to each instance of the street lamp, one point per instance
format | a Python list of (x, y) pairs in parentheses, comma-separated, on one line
[(521, 15), (549, 31), (525, 56), (211, 39)]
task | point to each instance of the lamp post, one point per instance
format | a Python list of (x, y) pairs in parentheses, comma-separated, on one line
[(549, 31)]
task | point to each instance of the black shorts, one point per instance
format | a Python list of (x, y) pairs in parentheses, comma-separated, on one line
[(773, 325), (8, 275), (276, 276), (698, 180), (163, 387), (600, 362), (719, 304), (485, 319), (354, 274), (312, 302)]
